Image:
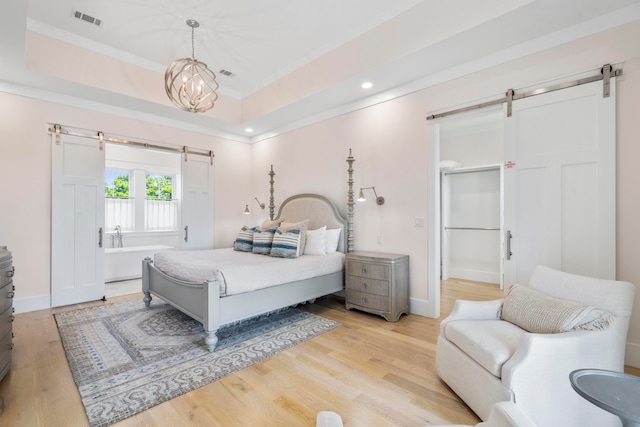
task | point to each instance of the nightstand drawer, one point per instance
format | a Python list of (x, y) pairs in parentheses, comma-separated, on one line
[(370, 270), (369, 301), (371, 286)]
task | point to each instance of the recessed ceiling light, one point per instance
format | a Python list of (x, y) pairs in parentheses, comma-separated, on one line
[(248, 130), (366, 85)]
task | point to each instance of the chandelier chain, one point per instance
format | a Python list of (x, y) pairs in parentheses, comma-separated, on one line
[(193, 43)]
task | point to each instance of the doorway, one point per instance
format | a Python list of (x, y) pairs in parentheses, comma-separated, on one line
[(471, 156), (83, 230)]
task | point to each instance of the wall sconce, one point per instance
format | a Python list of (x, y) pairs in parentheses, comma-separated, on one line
[(246, 207), (361, 198)]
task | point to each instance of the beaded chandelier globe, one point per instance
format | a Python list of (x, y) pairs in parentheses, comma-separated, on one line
[(189, 84)]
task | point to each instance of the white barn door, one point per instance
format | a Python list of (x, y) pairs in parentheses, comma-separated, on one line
[(77, 221), (197, 203), (559, 182)]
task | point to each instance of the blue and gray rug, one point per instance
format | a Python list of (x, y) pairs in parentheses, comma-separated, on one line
[(126, 358)]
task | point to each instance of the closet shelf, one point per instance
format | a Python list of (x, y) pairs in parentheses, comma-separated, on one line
[(472, 228)]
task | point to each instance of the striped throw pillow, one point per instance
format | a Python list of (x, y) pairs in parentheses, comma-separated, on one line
[(262, 240), (244, 240), (286, 244)]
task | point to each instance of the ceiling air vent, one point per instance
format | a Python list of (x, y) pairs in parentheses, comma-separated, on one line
[(226, 73), (86, 18)]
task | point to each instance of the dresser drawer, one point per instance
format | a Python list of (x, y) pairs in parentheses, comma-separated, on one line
[(370, 270), (6, 274), (369, 301), (6, 297), (6, 322), (6, 345), (371, 286)]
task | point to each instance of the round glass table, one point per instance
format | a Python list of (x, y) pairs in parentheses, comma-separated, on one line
[(615, 392)]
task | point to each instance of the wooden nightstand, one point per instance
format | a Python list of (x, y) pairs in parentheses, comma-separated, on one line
[(378, 283)]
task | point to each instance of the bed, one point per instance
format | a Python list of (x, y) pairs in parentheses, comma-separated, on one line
[(209, 300)]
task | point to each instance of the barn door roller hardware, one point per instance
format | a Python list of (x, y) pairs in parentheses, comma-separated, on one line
[(605, 74)]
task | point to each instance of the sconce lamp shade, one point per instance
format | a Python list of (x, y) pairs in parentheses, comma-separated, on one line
[(246, 207), (361, 198)]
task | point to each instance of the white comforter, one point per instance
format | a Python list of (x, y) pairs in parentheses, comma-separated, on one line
[(239, 272)]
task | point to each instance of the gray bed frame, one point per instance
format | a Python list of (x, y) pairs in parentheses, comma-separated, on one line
[(202, 301)]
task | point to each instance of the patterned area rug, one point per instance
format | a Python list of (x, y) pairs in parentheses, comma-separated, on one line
[(126, 358)]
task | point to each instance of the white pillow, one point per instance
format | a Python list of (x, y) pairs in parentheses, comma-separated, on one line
[(316, 242), (333, 238)]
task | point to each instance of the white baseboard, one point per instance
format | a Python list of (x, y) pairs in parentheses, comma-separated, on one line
[(632, 355), (420, 307), (475, 275), (24, 305)]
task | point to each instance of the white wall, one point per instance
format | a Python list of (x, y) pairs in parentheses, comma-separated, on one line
[(473, 139)]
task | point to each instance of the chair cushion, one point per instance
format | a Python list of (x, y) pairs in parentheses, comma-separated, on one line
[(540, 313), (489, 342)]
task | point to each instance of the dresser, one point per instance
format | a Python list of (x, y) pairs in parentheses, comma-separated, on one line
[(378, 283), (6, 310)]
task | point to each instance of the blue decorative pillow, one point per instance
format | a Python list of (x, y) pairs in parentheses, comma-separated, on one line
[(244, 240), (286, 244), (262, 240)]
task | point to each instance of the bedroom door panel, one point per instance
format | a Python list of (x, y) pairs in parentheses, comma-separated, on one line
[(560, 183), (197, 203), (77, 221)]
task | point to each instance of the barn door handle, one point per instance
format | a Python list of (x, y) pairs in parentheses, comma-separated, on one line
[(186, 233), (507, 245), (100, 237)]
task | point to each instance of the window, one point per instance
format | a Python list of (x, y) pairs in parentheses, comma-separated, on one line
[(159, 187), (142, 191), (116, 184), (119, 205), (160, 207)]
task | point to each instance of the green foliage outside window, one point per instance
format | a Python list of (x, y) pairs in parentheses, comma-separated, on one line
[(159, 187), (118, 189)]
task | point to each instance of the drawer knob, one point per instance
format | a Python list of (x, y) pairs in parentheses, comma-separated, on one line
[(12, 318), (11, 272), (364, 271), (364, 300), (10, 294), (364, 285)]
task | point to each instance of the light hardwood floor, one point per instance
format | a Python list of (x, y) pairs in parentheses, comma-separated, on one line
[(372, 372)]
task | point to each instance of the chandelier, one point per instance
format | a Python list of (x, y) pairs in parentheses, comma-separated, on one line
[(189, 84)]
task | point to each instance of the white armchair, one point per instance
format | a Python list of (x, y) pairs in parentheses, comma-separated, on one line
[(503, 414), (328, 419), (486, 360)]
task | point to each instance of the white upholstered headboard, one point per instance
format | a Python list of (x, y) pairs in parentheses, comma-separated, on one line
[(318, 210)]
